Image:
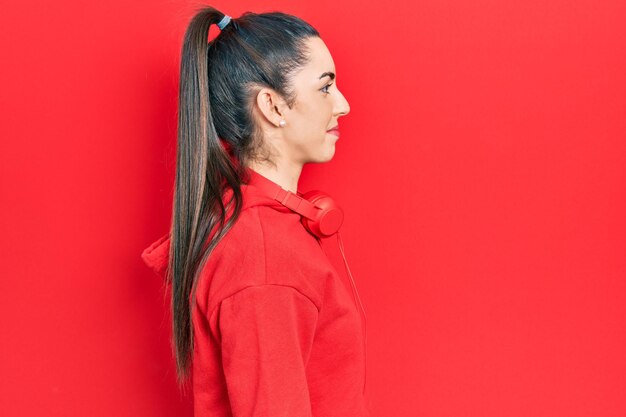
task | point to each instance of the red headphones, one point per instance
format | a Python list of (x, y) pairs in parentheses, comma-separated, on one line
[(320, 214)]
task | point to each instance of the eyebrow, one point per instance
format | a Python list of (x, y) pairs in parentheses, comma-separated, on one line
[(328, 74)]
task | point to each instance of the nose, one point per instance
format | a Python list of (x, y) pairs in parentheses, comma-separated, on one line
[(342, 106)]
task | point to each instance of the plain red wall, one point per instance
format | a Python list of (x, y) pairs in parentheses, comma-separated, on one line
[(482, 171)]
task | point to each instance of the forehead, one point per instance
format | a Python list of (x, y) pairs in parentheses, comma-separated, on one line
[(320, 58)]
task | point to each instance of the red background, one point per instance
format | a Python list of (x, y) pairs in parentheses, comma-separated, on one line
[(482, 171)]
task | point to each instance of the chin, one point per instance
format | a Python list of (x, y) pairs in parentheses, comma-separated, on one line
[(323, 157), (330, 151)]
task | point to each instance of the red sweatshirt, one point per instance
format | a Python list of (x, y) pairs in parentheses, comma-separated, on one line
[(277, 327)]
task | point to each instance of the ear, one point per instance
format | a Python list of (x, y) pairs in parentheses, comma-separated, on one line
[(270, 105)]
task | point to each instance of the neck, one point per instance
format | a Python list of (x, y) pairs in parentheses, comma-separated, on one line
[(286, 176)]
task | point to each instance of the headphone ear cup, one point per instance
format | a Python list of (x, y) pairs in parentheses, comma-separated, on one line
[(329, 217)]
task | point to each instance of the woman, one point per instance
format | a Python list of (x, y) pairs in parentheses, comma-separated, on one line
[(263, 321)]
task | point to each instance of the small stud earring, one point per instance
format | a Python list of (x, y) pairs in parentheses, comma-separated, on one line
[(282, 123)]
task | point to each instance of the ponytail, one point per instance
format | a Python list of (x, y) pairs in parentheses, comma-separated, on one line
[(204, 170)]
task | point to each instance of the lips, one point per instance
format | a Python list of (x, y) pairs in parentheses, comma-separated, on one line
[(334, 131)]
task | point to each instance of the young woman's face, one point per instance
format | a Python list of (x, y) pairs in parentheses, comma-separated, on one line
[(319, 103)]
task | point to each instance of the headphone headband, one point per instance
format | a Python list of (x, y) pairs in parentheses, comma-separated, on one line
[(288, 199)]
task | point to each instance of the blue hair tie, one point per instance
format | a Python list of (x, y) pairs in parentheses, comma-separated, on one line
[(225, 20)]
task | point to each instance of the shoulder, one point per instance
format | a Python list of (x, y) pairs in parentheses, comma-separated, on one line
[(264, 247)]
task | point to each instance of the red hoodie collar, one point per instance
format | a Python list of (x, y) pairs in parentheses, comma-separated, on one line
[(260, 190)]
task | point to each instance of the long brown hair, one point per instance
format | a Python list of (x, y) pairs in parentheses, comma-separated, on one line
[(219, 81)]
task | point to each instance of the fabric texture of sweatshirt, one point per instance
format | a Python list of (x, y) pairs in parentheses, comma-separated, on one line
[(277, 327)]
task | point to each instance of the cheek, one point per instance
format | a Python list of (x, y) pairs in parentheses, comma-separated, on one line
[(324, 112), (315, 116), (312, 123)]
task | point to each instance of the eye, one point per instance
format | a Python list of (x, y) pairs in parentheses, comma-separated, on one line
[(325, 88)]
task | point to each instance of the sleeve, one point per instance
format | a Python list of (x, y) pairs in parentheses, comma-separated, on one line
[(266, 337)]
